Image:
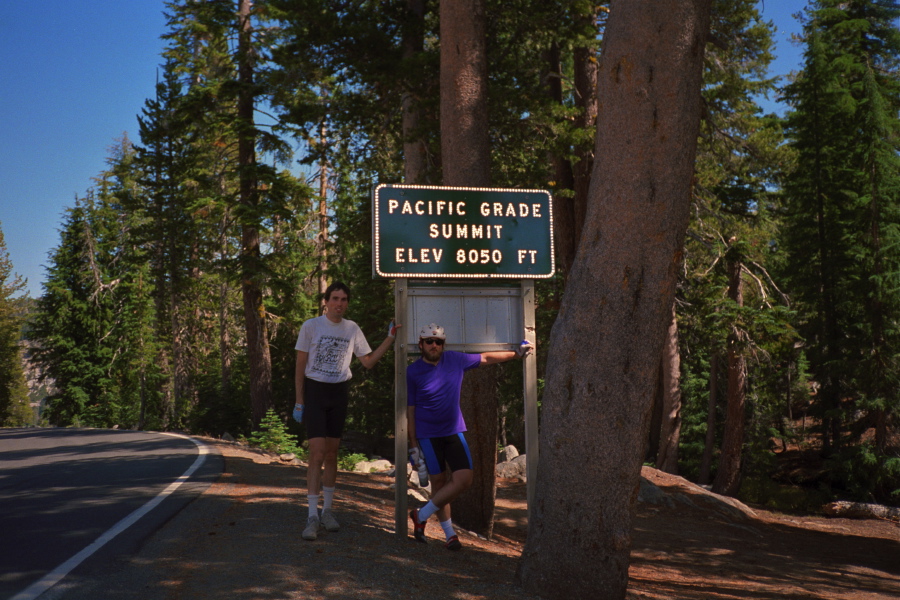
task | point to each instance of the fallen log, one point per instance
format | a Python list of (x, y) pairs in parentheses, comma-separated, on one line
[(859, 510)]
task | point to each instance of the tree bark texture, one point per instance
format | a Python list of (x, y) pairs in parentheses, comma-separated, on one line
[(415, 157), (711, 404), (728, 475), (474, 509), (465, 144), (670, 388), (254, 310), (607, 340), (466, 161)]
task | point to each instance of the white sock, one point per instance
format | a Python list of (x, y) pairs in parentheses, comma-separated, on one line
[(426, 511), (327, 497), (313, 505), (447, 526)]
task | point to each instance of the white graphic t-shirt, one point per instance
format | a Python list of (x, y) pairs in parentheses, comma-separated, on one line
[(331, 346)]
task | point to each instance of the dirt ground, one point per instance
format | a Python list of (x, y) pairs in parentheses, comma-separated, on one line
[(241, 540), (700, 546), (692, 544)]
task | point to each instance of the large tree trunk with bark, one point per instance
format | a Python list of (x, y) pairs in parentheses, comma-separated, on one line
[(415, 156), (465, 145), (670, 396), (728, 475), (474, 508), (254, 310), (466, 161), (608, 337)]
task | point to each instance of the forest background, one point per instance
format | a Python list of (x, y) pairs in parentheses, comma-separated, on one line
[(203, 232)]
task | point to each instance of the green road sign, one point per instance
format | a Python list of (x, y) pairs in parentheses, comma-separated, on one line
[(447, 232)]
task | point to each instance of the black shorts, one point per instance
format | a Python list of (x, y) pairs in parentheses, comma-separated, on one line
[(451, 450), (325, 409)]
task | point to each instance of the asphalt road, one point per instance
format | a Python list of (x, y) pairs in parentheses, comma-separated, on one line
[(75, 500)]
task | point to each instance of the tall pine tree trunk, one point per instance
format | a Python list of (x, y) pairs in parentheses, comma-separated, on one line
[(415, 158), (585, 58), (322, 238), (466, 160), (567, 229), (569, 212), (711, 404), (728, 475), (670, 384), (254, 309), (607, 340)]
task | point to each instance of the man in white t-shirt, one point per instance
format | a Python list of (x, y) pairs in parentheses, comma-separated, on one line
[(325, 347)]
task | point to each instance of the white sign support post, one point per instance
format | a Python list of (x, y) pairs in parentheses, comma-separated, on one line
[(400, 431), (529, 372)]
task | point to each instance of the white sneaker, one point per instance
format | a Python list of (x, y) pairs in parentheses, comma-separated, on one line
[(312, 529), (329, 522)]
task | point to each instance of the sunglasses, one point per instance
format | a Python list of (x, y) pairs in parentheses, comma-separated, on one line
[(433, 341)]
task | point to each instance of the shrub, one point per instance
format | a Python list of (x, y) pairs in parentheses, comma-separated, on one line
[(348, 461), (273, 437)]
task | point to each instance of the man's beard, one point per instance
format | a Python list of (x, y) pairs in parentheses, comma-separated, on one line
[(434, 354)]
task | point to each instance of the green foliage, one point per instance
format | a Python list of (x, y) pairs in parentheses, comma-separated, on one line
[(862, 474), (841, 244), (14, 409), (272, 436), (762, 491), (735, 212), (348, 460)]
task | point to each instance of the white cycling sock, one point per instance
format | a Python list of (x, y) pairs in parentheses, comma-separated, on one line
[(327, 497), (426, 511), (447, 526), (313, 505)]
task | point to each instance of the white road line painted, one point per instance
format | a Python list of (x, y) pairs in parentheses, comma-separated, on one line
[(56, 575)]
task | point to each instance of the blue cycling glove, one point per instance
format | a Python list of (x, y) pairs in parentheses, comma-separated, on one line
[(298, 413)]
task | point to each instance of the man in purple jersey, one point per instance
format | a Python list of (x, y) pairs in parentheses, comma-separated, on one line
[(436, 425)]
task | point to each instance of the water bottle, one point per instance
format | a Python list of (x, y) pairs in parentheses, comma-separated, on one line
[(415, 459)]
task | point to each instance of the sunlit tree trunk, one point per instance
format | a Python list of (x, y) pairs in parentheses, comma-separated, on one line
[(607, 340)]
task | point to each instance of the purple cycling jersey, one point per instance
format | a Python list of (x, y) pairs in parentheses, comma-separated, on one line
[(434, 391)]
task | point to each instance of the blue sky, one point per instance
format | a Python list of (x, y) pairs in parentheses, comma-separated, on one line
[(75, 75)]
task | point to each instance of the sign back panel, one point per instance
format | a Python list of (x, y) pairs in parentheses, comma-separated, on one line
[(449, 232)]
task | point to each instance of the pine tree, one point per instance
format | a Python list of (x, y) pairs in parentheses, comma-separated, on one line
[(730, 310), (72, 321), (14, 409), (93, 332), (877, 367), (841, 221)]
